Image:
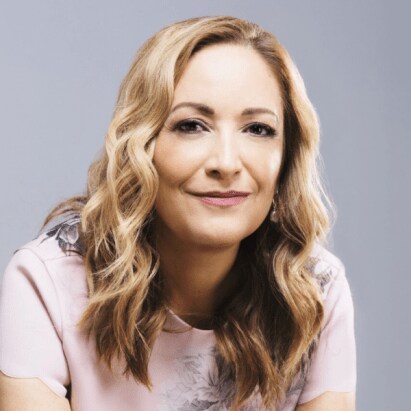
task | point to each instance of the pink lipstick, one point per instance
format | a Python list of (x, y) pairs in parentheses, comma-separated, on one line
[(220, 198)]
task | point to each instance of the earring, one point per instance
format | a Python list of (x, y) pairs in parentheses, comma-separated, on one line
[(274, 213)]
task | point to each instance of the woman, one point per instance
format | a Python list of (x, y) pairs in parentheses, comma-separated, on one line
[(191, 275)]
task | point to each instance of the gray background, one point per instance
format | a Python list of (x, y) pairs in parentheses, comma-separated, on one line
[(61, 66)]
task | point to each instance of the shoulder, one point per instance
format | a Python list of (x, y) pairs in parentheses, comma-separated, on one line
[(50, 267), (57, 250), (329, 272), (58, 246), (59, 241), (326, 268)]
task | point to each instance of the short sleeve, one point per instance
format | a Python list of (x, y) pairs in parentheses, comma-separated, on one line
[(30, 323), (333, 365)]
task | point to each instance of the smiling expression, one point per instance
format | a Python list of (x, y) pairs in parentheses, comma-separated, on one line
[(219, 153)]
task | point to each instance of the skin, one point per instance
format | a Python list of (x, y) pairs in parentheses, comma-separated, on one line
[(219, 148), (198, 243), (29, 394), (335, 401)]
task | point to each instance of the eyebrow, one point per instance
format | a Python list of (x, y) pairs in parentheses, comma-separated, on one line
[(208, 111)]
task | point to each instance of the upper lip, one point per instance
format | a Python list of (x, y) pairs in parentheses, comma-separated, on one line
[(231, 193)]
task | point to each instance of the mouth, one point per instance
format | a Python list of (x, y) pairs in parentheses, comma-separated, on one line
[(222, 194), (222, 198)]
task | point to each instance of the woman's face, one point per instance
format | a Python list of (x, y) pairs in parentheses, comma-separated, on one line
[(218, 155)]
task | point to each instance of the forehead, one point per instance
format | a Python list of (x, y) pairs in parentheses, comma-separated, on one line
[(229, 76)]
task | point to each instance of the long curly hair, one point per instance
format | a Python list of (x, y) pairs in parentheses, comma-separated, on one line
[(266, 331)]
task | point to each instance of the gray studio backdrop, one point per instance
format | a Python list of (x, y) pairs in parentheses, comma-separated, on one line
[(61, 66)]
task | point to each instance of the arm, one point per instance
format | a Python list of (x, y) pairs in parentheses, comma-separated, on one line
[(32, 361), (331, 380), (336, 401), (29, 394)]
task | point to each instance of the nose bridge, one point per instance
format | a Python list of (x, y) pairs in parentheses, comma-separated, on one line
[(225, 154)]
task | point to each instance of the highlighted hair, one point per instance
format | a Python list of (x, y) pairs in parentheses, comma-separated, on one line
[(267, 330)]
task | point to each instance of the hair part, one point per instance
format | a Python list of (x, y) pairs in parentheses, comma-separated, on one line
[(266, 331)]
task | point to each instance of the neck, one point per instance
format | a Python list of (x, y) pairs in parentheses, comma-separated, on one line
[(196, 279)]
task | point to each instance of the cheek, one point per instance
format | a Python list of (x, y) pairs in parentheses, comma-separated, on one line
[(267, 169), (168, 162), (176, 161)]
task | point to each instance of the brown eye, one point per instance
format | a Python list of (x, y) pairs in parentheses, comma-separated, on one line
[(189, 127), (260, 129)]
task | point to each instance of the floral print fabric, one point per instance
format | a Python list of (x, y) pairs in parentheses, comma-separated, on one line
[(44, 292)]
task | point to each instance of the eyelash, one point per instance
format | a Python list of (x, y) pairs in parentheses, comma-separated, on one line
[(269, 131)]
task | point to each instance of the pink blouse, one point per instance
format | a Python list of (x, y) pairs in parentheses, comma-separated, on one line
[(44, 292)]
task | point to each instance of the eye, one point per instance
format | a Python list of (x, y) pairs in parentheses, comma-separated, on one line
[(189, 126), (260, 129)]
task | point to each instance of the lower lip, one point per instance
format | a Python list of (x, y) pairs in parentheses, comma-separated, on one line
[(222, 201)]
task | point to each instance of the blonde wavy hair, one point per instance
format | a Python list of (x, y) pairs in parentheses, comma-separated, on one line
[(267, 330)]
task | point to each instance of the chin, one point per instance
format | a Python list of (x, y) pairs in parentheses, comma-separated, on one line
[(218, 238)]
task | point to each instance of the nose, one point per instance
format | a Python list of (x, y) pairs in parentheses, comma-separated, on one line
[(224, 160)]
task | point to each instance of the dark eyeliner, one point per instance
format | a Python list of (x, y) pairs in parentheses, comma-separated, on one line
[(177, 126), (270, 132)]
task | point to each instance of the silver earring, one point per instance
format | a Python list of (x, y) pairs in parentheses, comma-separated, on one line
[(274, 213)]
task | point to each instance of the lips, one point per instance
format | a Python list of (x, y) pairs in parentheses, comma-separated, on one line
[(222, 194), (222, 198)]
